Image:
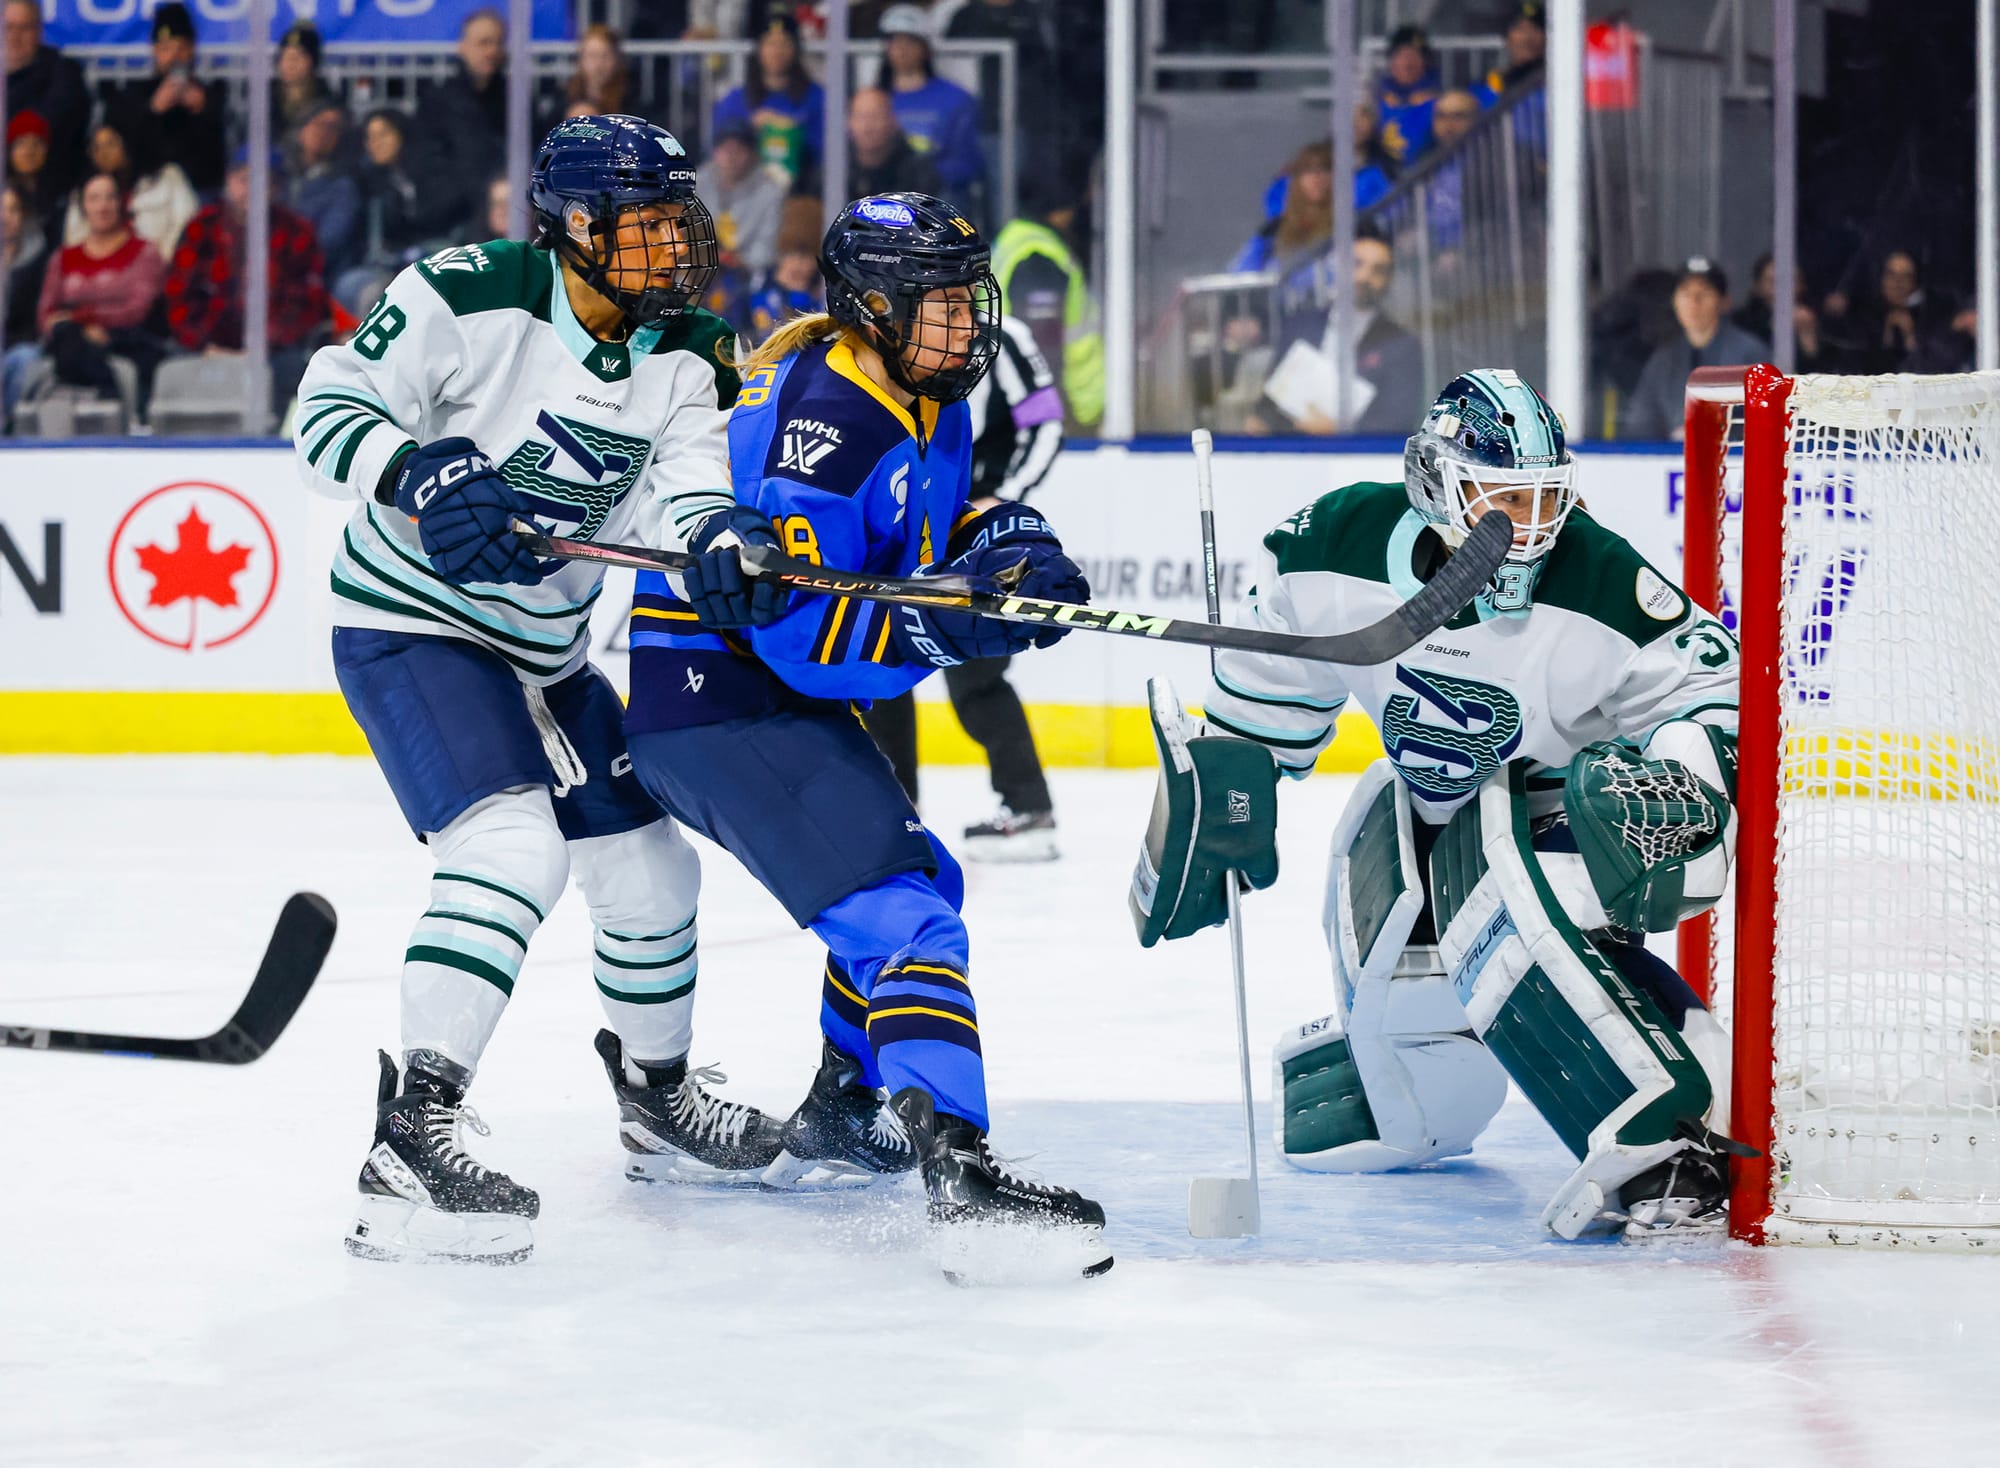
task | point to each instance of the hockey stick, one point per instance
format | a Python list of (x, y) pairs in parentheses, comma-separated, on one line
[(1225, 1207), (291, 962), (1462, 578)]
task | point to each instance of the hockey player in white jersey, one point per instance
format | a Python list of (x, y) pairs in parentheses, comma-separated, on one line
[(574, 382), (1558, 782)]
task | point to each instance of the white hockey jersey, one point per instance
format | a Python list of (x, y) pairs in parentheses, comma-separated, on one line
[(1610, 649), (615, 441)]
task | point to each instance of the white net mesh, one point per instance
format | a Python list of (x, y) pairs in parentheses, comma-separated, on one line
[(1886, 1038)]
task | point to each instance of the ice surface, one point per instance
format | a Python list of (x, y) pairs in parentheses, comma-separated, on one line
[(173, 1291)]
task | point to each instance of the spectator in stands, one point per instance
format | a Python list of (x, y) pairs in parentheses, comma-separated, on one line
[(321, 186), (880, 158), (1626, 327), (96, 298), (205, 282), (298, 87), (1754, 315), (1387, 386), (938, 117), (794, 287), (24, 255), (182, 117), (28, 171), (746, 199), (460, 131), (603, 78), (1452, 117), (1031, 27), (781, 104), (399, 224), (1404, 93), (1953, 348), (159, 200), (42, 80), (1042, 282), (498, 219), (1443, 185), (1297, 235), (1707, 338), (1526, 38), (1880, 332)]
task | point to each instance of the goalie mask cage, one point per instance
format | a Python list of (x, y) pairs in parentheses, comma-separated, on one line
[(1848, 528)]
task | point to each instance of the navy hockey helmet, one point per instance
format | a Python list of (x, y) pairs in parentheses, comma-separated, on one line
[(913, 277), (588, 173)]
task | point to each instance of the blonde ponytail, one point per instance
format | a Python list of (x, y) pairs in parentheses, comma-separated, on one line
[(795, 335)]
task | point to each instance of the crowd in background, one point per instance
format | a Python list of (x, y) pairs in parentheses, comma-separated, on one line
[(123, 216)]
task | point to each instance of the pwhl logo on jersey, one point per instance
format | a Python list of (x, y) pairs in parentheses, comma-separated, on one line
[(575, 473), (807, 441), (193, 565), (1448, 733)]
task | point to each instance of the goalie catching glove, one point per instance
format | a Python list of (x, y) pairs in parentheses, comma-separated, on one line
[(1215, 811)]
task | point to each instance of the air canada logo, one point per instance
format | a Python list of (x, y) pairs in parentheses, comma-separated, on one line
[(193, 565)]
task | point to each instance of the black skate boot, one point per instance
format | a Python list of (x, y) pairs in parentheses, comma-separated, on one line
[(968, 1185), (1687, 1194), (1013, 836), (422, 1195), (678, 1133), (844, 1129)]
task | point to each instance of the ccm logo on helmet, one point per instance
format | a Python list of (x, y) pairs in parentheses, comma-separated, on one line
[(886, 211)]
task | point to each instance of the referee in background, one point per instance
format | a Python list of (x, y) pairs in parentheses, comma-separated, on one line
[(1017, 428)]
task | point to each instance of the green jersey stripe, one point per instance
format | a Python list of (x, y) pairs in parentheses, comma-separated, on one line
[(1263, 736), (403, 552), (329, 395), (471, 617), (360, 595), (346, 459), (347, 420)]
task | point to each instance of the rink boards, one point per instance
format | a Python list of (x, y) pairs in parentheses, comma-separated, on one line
[(174, 599)]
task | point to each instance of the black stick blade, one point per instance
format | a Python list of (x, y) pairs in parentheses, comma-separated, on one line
[(292, 960)]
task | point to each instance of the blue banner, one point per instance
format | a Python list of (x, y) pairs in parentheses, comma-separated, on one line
[(109, 22)]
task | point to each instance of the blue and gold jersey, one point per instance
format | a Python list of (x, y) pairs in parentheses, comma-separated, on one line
[(850, 479)]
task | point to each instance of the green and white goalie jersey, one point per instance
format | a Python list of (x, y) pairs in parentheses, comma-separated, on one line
[(1610, 649), (616, 441)]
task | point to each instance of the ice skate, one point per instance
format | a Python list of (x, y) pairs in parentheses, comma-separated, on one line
[(996, 1224), (422, 1196), (1685, 1196), (677, 1132), (843, 1132), (1009, 836)]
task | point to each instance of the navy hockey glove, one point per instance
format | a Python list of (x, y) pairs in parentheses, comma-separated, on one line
[(462, 508), (985, 546), (722, 596)]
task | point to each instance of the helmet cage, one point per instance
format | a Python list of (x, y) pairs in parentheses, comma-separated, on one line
[(1452, 492), (689, 239), (887, 312)]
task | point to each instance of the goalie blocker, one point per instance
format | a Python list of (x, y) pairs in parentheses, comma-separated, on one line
[(1521, 956)]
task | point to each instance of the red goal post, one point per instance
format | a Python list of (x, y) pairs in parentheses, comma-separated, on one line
[(1839, 526)]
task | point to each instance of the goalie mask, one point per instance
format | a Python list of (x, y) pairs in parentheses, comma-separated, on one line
[(1490, 441), (614, 198)]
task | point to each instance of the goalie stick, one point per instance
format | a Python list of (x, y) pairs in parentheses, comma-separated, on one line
[(291, 962), (1462, 579)]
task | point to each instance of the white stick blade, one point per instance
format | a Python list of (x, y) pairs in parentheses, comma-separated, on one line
[(1223, 1208)]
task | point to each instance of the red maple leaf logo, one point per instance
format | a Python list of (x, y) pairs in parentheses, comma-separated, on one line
[(191, 569)]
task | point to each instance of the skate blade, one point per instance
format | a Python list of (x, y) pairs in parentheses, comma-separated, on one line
[(1032, 846), (789, 1174), (988, 1254), (655, 1164), (1682, 1230), (397, 1231)]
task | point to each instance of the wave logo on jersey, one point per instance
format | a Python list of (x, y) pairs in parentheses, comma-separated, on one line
[(1448, 733), (575, 473)]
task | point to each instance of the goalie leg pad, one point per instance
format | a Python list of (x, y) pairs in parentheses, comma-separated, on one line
[(1393, 1078), (1591, 1050)]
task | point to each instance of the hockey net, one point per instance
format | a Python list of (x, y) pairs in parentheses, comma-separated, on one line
[(1848, 529)]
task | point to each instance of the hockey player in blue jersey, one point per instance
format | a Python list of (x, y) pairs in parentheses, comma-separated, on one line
[(851, 447)]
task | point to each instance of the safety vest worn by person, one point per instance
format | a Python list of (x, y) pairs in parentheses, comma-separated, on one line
[(1083, 340)]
